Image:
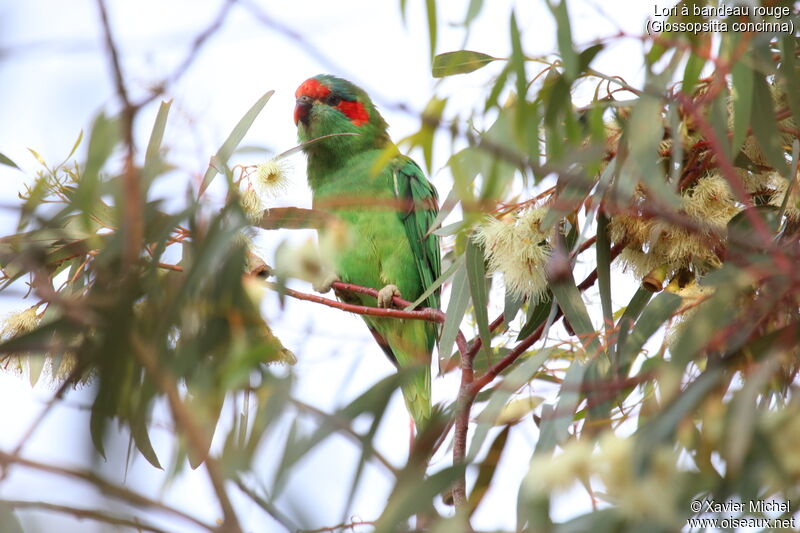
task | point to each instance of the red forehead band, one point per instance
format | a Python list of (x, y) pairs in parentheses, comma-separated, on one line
[(312, 88)]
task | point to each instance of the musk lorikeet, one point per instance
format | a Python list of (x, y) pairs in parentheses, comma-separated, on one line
[(386, 206)]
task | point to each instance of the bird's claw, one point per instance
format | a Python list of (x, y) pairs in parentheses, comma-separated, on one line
[(386, 294), (323, 285)]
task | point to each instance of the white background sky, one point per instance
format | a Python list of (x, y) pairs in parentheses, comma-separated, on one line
[(54, 77)]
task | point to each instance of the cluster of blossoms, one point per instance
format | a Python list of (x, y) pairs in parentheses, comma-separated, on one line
[(267, 180), (651, 243), (518, 248), (17, 324), (706, 199)]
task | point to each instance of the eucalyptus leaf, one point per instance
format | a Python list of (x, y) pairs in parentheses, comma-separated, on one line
[(460, 62)]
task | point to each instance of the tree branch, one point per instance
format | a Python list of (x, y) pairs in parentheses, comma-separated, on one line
[(427, 314), (132, 223), (104, 486), (83, 514)]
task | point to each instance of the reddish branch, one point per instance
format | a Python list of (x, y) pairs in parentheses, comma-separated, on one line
[(430, 315), (470, 387), (105, 487)]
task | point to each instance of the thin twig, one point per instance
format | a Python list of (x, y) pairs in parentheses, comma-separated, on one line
[(340, 527), (105, 487), (344, 426), (199, 41), (132, 223), (84, 514), (265, 505)]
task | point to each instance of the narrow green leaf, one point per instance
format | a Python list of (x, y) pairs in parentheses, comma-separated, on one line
[(97, 427), (742, 96), (511, 306), (156, 137), (522, 374), (603, 249), (518, 59), (694, 65), (709, 319), (564, 38), (497, 88), (74, 147), (430, 9), (35, 367), (8, 162), (765, 127), (487, 469), (793, 167), (438, 283), (226, 150), (473, 10), (104, 137), (141, 437), (476, 273), (718, 116), (38, 157), (653, 317), (585, 58), (459, 301), (662, 428), (536, 315), (629, 316), (569, 300), (743, 412), (450, 202), (414, 496), (207, 412), (450, 229), (643, 133), (790, 73), (460, 62), (556, 421)]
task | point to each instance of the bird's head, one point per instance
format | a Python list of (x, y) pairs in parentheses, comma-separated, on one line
[(326, 105)]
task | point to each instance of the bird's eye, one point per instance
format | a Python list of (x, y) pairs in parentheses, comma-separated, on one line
[(331, 100)]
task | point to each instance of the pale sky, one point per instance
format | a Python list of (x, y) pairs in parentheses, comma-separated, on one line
[(54, 77)]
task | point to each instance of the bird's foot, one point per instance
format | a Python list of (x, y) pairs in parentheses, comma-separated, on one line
[(386, 294), (323, 284)]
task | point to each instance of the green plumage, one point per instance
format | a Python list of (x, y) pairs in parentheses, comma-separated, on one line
[(387, 205)]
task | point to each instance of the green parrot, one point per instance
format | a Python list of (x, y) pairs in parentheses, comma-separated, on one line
[(386, 206)]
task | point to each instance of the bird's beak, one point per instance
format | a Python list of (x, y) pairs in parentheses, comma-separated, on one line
[(301, 109)]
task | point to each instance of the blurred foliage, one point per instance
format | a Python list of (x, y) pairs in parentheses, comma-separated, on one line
[(685, 187)]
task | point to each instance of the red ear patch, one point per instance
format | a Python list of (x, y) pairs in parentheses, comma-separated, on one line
[(355, 111), (313, 89)]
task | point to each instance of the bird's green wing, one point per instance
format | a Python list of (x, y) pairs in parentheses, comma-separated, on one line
[(419, 207)]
